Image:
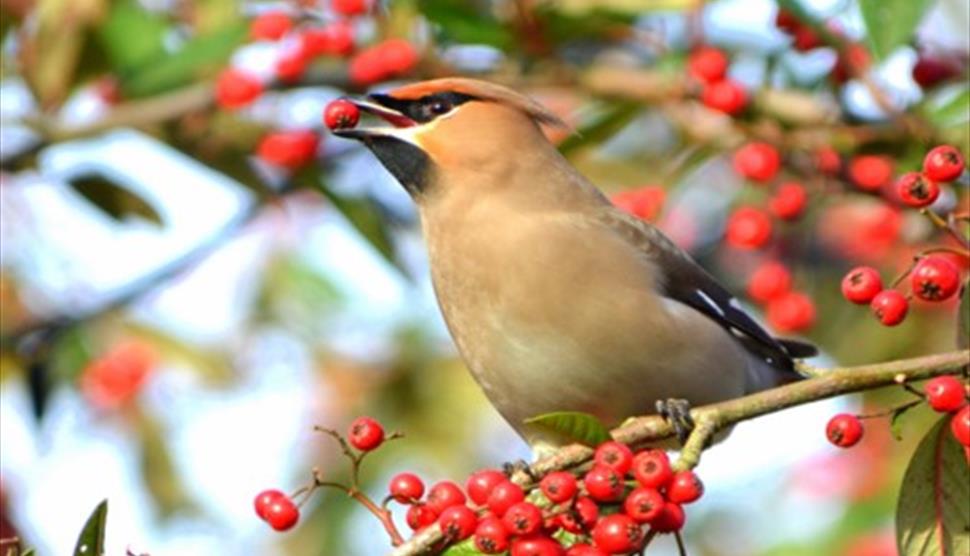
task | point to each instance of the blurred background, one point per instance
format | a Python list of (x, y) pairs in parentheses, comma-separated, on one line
[(183, 297)]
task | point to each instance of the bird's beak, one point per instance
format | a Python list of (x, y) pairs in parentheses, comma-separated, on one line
[(385, 107)]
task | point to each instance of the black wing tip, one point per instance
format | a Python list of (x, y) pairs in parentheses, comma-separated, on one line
[(798, 349)]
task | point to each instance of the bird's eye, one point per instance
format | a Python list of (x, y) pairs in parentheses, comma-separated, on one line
[(436, 107)]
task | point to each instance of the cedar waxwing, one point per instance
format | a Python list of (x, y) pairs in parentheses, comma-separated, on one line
[(557, 300)]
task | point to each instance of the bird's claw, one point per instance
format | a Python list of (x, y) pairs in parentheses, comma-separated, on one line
[(677, 413), (511, 468)]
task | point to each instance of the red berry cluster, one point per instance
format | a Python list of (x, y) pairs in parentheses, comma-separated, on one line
[(644, 202), (501, 516), (116, 377), (277, 509), (919, 189), (852, 58), (944, 394), (708, 66)]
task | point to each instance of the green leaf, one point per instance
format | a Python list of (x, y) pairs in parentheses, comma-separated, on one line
[(132, 36), (199, 57), (963, 316), (890, 23), (464, 548), (950, 109), (575, 425), (91, 540), (601, 127), (934, 501)]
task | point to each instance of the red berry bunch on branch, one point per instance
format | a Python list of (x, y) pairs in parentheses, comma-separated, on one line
[(708, 66)]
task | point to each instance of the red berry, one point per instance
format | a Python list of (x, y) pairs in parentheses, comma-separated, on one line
[(349, 7), (264, 499), (757, 161), (116, 377), (457, 523), (235, 89), (870, 172), (406, 488), (708, 64), (504, 495), (643, 504), (587, 510), (290, 66), (769, 281), (270, 26), (522, 519), (617, 534), (481, 483), (281, 514), (390, 58), (614, 454), (788, 201), (445, 494), (945, 394), (861, 284), (559, 486), (365, 434), (685, 487), (943, 163), (890, 307), (844, 430), (792, 312), (827, 161), (420, 516), (928, 72), (538, 545), (786, 21), (671, 518), (341, 114), (960, 426), (491, 536), (806, 39), (335, 39), (748, 228), (651, 468), (851, 61), (917, 190), (289, 149), (644, 202), (726, 96), (603, 484), (935, 279), (584, 550)]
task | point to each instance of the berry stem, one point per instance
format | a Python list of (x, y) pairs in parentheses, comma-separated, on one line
[(381, 513), (681, 549), (892, 411), (946, 226)]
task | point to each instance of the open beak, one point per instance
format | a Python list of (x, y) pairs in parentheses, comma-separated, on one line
[(381, 106)]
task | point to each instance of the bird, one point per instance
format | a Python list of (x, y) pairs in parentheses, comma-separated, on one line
[(556, 299)]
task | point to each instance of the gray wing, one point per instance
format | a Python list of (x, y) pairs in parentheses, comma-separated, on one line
[(686, 281)]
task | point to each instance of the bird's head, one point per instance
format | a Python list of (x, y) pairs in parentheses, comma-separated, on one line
[(450, 127)]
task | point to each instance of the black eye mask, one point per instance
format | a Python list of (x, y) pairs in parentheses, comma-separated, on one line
[(424, 109)]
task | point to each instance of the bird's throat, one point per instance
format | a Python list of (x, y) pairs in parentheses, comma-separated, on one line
[(409, 164)]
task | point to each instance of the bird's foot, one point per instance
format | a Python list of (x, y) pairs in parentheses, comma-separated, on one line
[(520, 465), (677, 413)]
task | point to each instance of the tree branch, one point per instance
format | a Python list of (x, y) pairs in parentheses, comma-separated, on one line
[(826, 383)]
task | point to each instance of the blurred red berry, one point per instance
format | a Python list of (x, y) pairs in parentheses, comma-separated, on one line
[(349, 7), (672, 518), (491, 537), (406, 488), (707, 64), (365, 434), (828, 161), (559, 486), (851, 61), (917, 190), (445, 494), (929, 72), (748, 228), (769, 281), (806, 39), (960, 426), (116, 377), (943, 163), (643, 202), (861, 284), (504, 495), (643, 504), (420, 516), (685, 487), (890, 307), (726, 96), (615, 455), (289, 149), (870, 172), (334, 39), (457, 523), (270, 26), (235, 89), (757, 161), (945, 394), (281, 514), (789, 201), (651, 468), (584, 549), (291, 66), (264, 500), (522, 519), (935, 278), (786, 21), (617, 534), (792, 312), (603, 484), (480, 484), (391, 58), (536, 545), (844, 430)]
